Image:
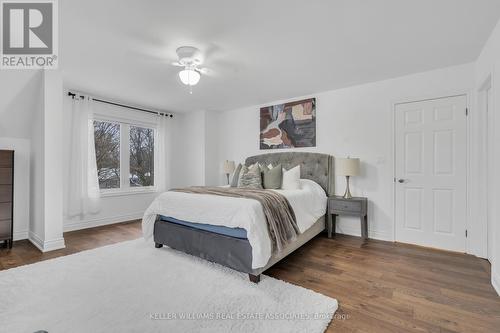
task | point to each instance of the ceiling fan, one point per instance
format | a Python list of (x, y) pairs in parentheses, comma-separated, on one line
[(190, 58)]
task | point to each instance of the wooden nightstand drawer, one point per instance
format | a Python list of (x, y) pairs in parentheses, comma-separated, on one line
[(345, 205)]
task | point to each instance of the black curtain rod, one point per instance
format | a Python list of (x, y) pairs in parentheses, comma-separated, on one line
[(122, 105)]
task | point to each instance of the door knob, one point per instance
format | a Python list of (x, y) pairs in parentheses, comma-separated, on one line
[(401, 181)]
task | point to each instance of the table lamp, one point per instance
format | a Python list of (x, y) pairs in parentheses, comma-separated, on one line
[(228, 168), (347, 167)]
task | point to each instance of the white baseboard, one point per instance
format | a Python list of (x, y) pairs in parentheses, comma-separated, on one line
[(495, 282), (36, 240), (356, 231), (54, 244), (478, 254), (18, 235), (92, 223), (46, 246)]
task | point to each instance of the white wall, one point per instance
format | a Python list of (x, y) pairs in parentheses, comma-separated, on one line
[(46, 222), (213, 167), (53, 161), (488, 65), (189, 149), (37, 168), (355, 121), (20, 98)]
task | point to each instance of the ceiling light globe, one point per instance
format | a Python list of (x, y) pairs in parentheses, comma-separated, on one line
[(189, 77)]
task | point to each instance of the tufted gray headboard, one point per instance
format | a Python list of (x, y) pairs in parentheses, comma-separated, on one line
[(314, 166)]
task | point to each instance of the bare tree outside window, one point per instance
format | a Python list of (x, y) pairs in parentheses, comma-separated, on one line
[(141, 156), (107, 150)]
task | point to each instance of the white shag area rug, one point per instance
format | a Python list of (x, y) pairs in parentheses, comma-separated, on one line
[(133, 287)]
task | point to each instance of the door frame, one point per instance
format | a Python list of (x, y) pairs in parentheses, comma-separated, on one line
[(445, 94), (485, 111)]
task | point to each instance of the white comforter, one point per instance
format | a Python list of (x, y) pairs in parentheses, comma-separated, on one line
[(308, 203)]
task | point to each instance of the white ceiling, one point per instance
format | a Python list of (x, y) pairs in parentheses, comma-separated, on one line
[(261, 50)]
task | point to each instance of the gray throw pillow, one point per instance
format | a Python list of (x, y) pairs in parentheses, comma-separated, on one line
[(250, 177), (272, 177), (236, 176)]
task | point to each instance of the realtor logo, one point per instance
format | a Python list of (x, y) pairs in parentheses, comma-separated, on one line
[(29, 34)]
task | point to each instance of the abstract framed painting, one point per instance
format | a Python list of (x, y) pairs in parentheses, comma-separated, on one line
[(288, 125)]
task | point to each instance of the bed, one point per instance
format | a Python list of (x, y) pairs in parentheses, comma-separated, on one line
[(216, 228)]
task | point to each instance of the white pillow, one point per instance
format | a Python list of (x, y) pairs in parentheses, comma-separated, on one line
[(291, 179)]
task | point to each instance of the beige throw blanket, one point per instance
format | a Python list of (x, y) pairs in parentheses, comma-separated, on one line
[(280, 217)]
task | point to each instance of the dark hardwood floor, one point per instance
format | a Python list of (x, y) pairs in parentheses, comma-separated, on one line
[(380, 286), (23, 252)]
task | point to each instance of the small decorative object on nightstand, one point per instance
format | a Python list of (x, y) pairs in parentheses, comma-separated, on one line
[(338, 205), (228, 167), (347, 167)]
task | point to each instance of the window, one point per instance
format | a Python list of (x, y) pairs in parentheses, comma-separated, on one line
[(142, 152), (125, 156), (107, 151)]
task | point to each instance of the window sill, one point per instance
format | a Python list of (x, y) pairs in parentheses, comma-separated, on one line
[(119, 193)]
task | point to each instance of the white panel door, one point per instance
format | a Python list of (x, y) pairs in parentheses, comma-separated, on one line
[(430, 147)]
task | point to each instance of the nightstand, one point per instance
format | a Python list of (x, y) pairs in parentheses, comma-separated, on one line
[(338, 205)]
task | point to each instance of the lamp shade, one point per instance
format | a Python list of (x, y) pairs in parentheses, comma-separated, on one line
[(228, 166), (189, 77), (347, 166)]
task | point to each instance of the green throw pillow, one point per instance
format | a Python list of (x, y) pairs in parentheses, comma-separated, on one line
[(271, 178)]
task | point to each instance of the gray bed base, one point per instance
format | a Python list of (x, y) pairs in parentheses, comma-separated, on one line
[(237, 253)]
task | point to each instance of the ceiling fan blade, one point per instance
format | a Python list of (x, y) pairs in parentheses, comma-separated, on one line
[(204, 71), (178, 64)]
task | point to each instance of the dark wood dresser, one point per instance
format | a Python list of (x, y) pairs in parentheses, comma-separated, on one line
[(6, 196)]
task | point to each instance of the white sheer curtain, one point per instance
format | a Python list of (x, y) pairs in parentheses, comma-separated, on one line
[(82, 185), (163, 144)]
